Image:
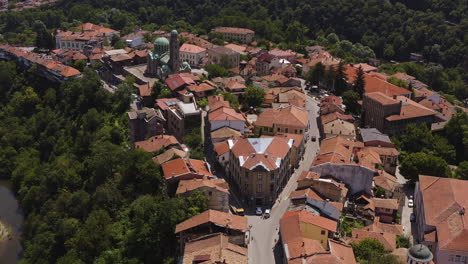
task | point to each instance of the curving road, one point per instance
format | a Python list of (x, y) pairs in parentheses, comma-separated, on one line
[(264, 247)]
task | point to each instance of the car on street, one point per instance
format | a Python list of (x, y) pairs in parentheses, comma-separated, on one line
[(314, 138), (240, 211), (410, 202), (267, 213), (412, 217), (258, 211)]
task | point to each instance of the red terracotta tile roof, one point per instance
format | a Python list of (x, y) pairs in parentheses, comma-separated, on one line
[(305, 175), (444, 199), (386, 181), (293, 217), (387, 239), (235, 85), (236, 47), (156, 143), (298, 138), (331, 99), (290, 116), (221, 148), (336, 150), (176, 81), (375, 84), (365, 67), (218, 218), (335, 115), (385, 151), (410, 109), (179, 167), (225, 132), (382, 98), (189, 48), (368, 158), (93, 27), (193, 184), (164, 103), (202, 87), (145, 89), (306, 193), (302, 246), (386, 203), (343, 251), (217, 101), (225, 114), (214, 248)]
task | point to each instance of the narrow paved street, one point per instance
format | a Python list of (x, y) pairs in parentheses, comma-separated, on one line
[(265, 231), (405, 215)]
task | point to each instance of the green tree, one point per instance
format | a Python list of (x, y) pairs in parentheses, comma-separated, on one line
[(420, 163), (316, 74), (79, 65), (43, 38), (165, 93), (254, 96), (119, 45), (216, 71), (296, 32), (462, 171), (368, 250), (456, 132), (350, 100), (359, 82), (403, 241), (340, 79), (397, 82), (232, 99)]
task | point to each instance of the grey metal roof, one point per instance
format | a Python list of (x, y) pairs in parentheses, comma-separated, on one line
[(370, 134)]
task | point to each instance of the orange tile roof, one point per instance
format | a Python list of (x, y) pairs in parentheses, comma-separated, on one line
[(216, 101), (364, 66), (368, 158), (266, 152), (156, 143), (343, 251), (302, 246), (225, 132), (145, 89), (235, 47), (193, 184), (382, 98), (235, 85), (331, 99), (387, 239), (189, 48), (444, 199), (375, 84), (385, 151), (308, 175), (306, 193), (202, 87), (180, 166), (221, 148), (410, 109), (214, 248), (377, 226), (322, 259), (218, 218), (225, 114), (309, 218), (291, 116), (403, 76), (336, 150), (386, 203), (386, 181), (298, 138), (335, 115), (93, 27)]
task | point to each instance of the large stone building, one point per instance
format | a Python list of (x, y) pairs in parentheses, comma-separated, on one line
[(192, 54), (165, 58), (86, 36), (216, 192), (259, 167), (224, 57), (243, 35), (287, 119), (391, 115), (441, 219)]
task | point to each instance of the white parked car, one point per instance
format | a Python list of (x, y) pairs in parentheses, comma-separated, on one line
[(258, 211), (410, 203), (267, 213)]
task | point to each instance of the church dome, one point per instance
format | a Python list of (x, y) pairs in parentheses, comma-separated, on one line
[(161, 42), (420, 253), (174, 32)]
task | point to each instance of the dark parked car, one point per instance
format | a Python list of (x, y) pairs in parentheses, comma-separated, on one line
[(412, 217), (314, 138)]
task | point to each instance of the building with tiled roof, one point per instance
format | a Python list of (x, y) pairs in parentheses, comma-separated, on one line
[(386, 209), (390, 115), (325, 119), (216, 192), (386, 238), (237, 48), (223, 133), (178, 81), (214, 249), (52, 70), (185, 169), (221, 55), (216, 101), (145, 123), (343, 251), (375, 138), (298, 146), (201, 90), (297, 224), (335, 160), (226, 117), (213, 221), (235, 87), (338, 127), (243, 35), (441, 219), (327, 188), (259, 167), (192, 54), (375, 84), (386, 181), (157, 143), (169, 154), (288, 119)]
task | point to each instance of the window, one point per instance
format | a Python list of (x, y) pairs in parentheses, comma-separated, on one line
[(259, 188), (210, 193), (286, 130), (322, 232), (457, 258), (259, 177), (279, 129)]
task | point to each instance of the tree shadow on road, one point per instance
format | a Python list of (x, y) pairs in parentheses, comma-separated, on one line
[(278, 252)]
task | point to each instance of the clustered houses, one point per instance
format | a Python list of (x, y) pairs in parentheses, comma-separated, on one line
[(86, 36), (46, 67)]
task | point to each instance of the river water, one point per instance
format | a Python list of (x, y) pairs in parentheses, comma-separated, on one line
[(12, 216)]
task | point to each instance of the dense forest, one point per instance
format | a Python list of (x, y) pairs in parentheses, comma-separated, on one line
[(390, 30), (89, 197)]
